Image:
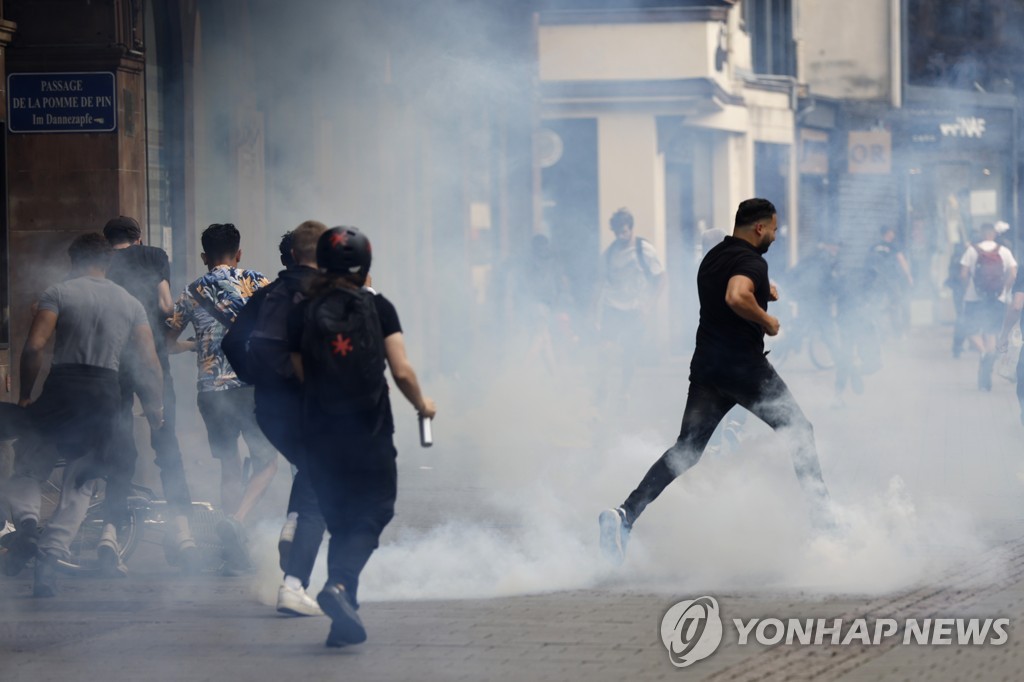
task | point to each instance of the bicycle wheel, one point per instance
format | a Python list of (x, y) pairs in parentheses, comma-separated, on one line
[(203, 522), (82, 556)]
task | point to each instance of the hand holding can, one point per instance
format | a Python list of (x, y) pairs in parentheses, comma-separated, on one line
[(426, 431)]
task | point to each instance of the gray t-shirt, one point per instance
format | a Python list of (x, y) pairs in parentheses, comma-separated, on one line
[(95, 319)]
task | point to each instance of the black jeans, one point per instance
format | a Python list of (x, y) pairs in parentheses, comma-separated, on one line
[(165, 444), (755, 386), (279, 414), (356, 481)]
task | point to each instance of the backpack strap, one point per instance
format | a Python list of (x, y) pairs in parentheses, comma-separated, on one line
[(209, 306), (642, 258)]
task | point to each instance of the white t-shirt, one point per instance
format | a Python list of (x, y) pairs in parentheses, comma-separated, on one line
[(626, 285), (970, 261)]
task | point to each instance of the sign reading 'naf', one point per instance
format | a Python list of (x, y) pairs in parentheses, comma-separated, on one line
[(61, 102)]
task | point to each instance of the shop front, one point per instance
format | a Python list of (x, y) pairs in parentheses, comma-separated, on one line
[(959, 172)]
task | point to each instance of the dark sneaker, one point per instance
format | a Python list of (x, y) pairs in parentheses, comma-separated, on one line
[(45, 584), (236, 547), (614, 534), (346, 626), (22, 547)]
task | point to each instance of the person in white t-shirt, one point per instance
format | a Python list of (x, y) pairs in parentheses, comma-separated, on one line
[(988, 269)]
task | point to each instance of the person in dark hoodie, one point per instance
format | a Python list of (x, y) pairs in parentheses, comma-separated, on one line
[(259, 341)]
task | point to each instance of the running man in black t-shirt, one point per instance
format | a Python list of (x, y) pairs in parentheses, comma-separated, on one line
[(728, 368), (144, 271)]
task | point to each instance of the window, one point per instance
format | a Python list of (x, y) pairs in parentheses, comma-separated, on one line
[(964, 44), (770, 25)]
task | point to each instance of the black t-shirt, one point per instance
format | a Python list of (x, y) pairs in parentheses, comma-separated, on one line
[(389, 324), (722, 335), (139, 269)]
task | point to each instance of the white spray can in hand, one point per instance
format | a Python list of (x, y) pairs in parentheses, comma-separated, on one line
[(426, 433)]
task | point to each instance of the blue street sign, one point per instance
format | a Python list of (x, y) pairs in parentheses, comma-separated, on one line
[(61, 102)]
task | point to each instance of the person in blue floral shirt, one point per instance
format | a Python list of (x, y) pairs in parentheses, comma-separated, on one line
[(210, 304)]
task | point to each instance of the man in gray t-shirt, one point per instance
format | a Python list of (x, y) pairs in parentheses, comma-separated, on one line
[(93, 321)]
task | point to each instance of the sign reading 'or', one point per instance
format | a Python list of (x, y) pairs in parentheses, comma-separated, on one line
[(61, 102), (869, 151)]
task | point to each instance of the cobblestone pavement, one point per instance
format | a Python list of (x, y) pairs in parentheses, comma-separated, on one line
[(950, 444)]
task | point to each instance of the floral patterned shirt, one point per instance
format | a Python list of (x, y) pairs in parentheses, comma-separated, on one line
[(228, 290)]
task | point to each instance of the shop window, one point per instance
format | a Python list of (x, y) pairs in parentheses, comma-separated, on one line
[(964, 44)]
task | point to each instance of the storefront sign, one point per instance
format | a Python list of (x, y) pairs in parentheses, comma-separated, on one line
[(964, 126), (869, 151), (61, 102), (954, 129), (813, 152)]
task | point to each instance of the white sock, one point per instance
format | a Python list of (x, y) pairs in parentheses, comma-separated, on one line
[(293, 516), (292, 583)]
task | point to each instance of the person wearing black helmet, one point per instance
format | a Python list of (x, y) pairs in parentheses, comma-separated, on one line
[(340, 339)]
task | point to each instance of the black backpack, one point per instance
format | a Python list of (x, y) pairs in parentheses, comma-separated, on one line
[(267, 358), (235, 343), (343, 352)]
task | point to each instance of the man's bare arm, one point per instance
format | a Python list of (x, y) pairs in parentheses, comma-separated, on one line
[(405, 376), (163, 292), (739, 296), (43, 325)]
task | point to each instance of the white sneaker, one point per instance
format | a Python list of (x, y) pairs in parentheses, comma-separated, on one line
[(296, 602), (614, 534)]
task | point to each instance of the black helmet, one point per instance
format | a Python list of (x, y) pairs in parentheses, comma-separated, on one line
[(345, 251)]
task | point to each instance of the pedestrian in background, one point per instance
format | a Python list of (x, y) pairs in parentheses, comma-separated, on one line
[(988, 269), (633, 279)]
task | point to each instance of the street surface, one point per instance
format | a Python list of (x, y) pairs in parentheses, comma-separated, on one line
[(491, 571)]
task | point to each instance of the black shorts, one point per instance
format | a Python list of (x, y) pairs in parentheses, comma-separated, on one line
[(984, 317)]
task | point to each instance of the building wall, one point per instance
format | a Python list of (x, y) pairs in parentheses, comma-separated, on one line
[(633, 51), (845, 48), (61, 185)]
